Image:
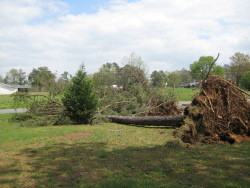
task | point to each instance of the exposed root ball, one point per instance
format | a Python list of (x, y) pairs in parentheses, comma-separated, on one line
[(220, 112)]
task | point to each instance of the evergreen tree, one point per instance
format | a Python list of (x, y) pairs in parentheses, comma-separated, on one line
[(79, 98)]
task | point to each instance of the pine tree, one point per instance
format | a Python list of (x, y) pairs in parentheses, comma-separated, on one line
[(79, 98)]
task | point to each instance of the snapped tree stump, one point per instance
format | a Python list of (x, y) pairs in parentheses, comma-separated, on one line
[(175, 121)]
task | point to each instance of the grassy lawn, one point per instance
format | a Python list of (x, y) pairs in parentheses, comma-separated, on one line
[(184, 94), (187, 94), (8, 102), (113, 155)]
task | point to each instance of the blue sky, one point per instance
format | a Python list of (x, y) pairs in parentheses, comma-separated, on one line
[(87, 6), (168, 35)]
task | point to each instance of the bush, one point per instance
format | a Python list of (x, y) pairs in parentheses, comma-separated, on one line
[(80, 100), (245, 81)]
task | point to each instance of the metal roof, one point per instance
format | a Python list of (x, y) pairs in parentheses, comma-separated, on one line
[(16, 86)]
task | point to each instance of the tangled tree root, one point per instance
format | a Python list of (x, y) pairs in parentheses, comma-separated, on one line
[(220, 113)]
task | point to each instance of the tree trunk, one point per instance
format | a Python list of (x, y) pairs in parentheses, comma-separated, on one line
[(175, 121)]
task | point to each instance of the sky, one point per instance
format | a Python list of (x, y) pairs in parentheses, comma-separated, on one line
[(167, 34)]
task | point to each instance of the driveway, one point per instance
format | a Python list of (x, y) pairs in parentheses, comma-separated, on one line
[(183, 104), (12, 111)]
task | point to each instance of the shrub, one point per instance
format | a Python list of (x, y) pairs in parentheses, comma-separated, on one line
[(80, 100), (245, 81)]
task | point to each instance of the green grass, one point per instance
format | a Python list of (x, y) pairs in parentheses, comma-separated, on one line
[(187, 94), (113, 155), (8, 102), (184, 94)]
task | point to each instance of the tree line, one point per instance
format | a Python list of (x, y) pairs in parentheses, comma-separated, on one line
[(237, 71), (133, 71)]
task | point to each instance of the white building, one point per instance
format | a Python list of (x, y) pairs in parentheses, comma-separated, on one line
[(6, 89)]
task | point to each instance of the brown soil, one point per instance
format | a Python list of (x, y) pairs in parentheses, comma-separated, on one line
[(220, 113), (73, 135)]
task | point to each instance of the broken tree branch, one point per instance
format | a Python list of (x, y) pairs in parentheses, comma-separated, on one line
[(210, 68)]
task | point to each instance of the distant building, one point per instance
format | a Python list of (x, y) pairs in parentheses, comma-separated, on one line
[(182, 86), (194, 84), (6, 89)]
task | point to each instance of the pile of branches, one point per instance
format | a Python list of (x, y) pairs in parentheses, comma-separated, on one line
[(42, 110), (137, 101), (220, 113)]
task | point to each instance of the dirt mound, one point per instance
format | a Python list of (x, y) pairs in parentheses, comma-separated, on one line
[(220, 113)]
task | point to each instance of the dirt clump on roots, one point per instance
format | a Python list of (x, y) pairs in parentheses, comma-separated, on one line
[(220, 113)]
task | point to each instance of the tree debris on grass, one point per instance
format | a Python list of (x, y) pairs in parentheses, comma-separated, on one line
[(42, 110)]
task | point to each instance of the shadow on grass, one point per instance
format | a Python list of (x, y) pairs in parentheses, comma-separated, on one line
[(153, 126), (8, 169), (93, 165)]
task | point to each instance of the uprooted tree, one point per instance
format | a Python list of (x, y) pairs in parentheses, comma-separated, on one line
[(220, 112)]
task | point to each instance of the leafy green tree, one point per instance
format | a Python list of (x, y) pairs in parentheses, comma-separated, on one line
[(218, 70), (64, 78), (1, 79), (239, 65), (79, 98), (130, 75), (245, 81), (133, 72), (57, 87), (42, 77), (199, 69), (174, 79), (185, 75), (158, 78), (228, 71), (15, 76), (107, 75)]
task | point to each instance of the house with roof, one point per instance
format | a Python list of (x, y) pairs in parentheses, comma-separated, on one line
[(6, 89)]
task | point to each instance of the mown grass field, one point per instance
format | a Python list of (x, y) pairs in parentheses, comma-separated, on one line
[(187, 94), (8, 101), (113, 155), (184, 94)]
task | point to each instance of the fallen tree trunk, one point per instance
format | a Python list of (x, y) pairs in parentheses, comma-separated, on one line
[(175, 121)]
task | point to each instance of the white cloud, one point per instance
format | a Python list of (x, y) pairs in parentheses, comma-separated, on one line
[(168, 35)]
